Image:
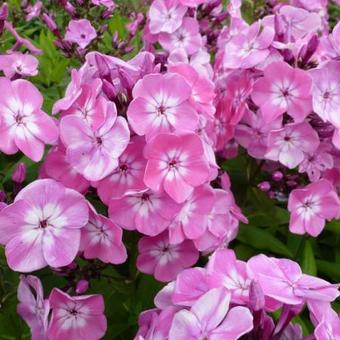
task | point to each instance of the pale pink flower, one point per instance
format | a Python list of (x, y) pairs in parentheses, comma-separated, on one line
[(106, 3), (176, 164), (102, 239), (252, 133), (282, 280), (210, 317), (160, 105), (283, 89), (127, 176), (326, 92), (95, 153), (224, 270), (311, 205), (249, 47), (146, 211), (77, 317), (165, 16), (32, 307), (23, 125), (42, 226), (316, 163), (25, 65), (33, 11), (290, 144), (55, 166), (192, 3), (187, 37), (192, 219), (158, 257), (80, 32)]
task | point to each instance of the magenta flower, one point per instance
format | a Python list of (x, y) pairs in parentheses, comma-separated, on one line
[(23, 125), (175, 164), (146, 211), (211, 318), (102, 239), (32, 307), (283, 89), (289, 144), (311, 205), (191, 3), (25, 65), (187, 37), (283, 281), (161, 105), (42, 226), (127, 176), (165, 16), (158, 257), (78, 317), (80, 32), (249, 47), (326, 92), (94, 153)]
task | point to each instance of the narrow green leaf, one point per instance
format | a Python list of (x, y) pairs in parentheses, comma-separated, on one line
[(308, 263)]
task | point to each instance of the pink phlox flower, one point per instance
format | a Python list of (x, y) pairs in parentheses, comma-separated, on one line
[(23, 125), (33, 11), (148, 212), (211, 317), (42, 226), (25, 65), (102, 239), (32, 307), (290, 144), (80, 32), (164, 260), (283, 89), (95, 153), (76, 317), (311, 206)]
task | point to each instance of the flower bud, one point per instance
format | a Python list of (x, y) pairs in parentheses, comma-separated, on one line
[(264, 186), (19, 173), (277, 176), (82, 286), (256, 296)]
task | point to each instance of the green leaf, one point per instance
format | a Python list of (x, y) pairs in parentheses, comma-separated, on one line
[(331, 270), (308, 263), (262, 240)]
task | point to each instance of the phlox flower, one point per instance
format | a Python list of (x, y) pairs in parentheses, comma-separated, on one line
[(192, 219), (42, 226), (164, 260), (187, 37), (33, 11), (176, 164), (165, 16), (56, 167), (160, 105), (78, 317), (94, 153), (211, 318), (249, 47), (283, 89), (311, 205), (282, 280), (107, 3), (290, 144), (102, 239), (192, 3), (25, 65), (127, 176), (32, 307), (326, 92), (23, 125), (80, 32), (148, 212)]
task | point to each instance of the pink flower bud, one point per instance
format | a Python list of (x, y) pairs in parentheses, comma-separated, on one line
[(19, 173), (256, 296), (264, 186), (277, 176), (82, 286)]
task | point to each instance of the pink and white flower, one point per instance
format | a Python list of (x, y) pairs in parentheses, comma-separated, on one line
[(42, 226), (25, 65), (78, 317), (283, 89), (23, 125), (160, 105), (176, 164), (311, 206), (164, 260)]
